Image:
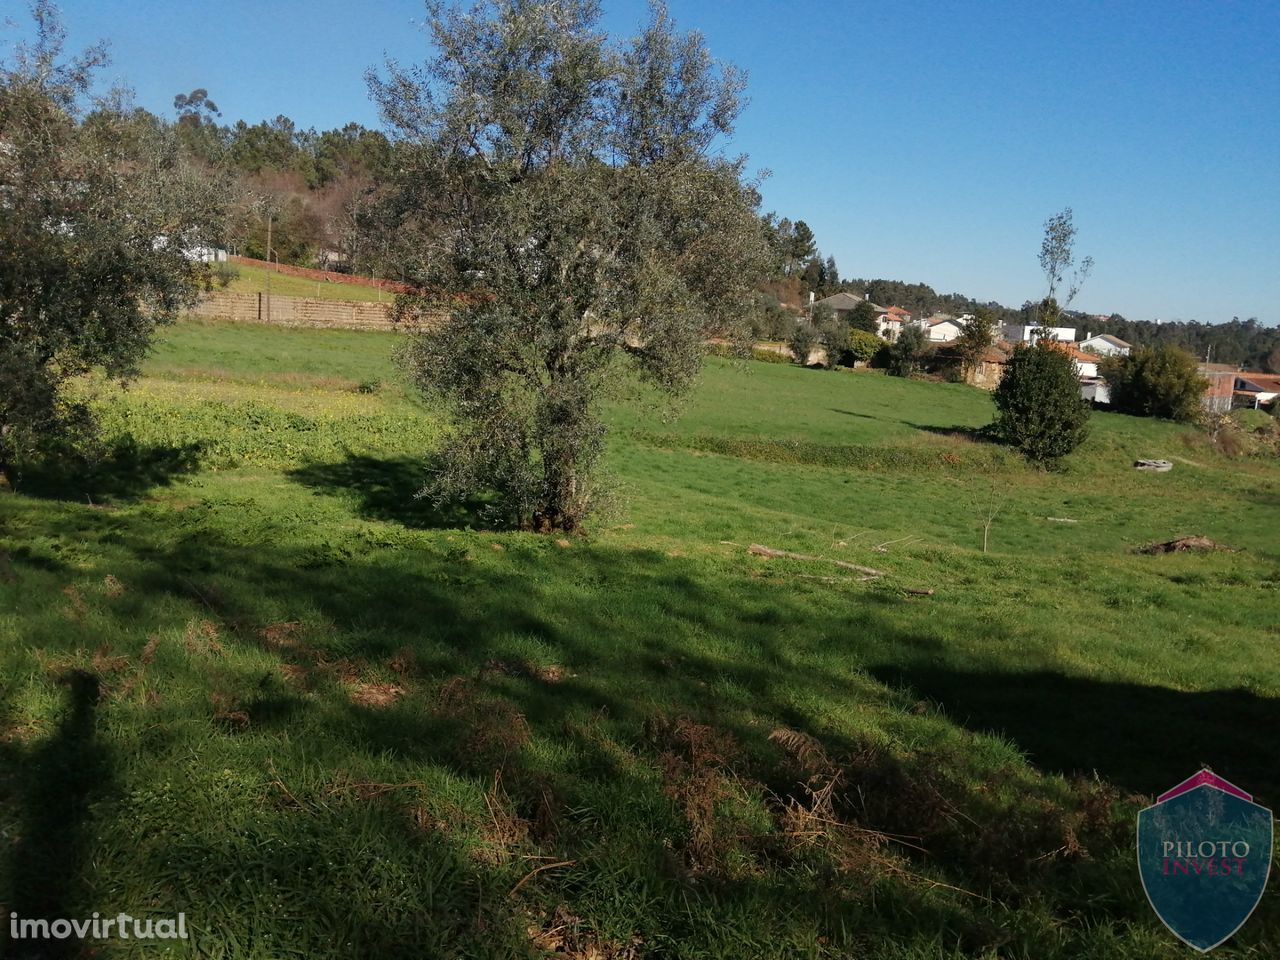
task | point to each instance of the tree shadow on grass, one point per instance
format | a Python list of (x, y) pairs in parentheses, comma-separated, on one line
[(1142, 738), (981, 434), (642, 638), (126, 471), (387, 488), (60, 780)]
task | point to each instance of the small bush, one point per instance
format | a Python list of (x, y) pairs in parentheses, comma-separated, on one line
[(769, 356), (904, 356), (224, 273), (1041, 412), (863, 346), (802, 342), (1156, 382)]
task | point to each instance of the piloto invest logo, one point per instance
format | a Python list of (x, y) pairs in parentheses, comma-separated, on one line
[(1204, 855)]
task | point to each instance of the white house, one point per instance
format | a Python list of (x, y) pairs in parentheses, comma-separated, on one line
[(1027, 334), (1106, 345), (1095, 390), (941, 331), (888, 326)]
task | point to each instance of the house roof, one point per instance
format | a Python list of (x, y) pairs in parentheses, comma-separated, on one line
[(1260, 382), (1071, 350), (1114, 341), (898, 311), (934, 323), (841, 301), (998, 352)]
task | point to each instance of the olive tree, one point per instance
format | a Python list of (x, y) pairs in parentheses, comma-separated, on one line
[(96, 213), (561, 201)]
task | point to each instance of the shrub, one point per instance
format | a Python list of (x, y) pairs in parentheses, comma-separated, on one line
[(834, 336), (769, 319), (803, 339), (905, 354), (224, 273), (1040, 409), (863, 346), (769, 356), (864, 317), (1156, 382)]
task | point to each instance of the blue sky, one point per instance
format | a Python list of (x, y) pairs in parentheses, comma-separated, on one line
[(921, 141)]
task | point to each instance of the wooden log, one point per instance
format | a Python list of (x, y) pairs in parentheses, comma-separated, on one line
[(761, 550)]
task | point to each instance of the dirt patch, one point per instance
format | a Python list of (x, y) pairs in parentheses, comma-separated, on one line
[(375, 695), (564, 934), (201, 638), (227, 712), (490, 731), (523, 669)]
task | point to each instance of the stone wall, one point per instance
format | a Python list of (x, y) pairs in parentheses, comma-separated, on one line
[(295, 311)]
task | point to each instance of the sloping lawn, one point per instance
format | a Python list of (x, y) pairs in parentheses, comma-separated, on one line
[(246, 675)]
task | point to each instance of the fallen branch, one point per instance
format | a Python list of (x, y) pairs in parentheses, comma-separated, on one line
[(1061, 520), (881, 546), (537, 870), (762, 551), (919, 591), (1185, 543)]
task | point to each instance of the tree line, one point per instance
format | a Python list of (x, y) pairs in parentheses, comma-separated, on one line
[(304, 190)]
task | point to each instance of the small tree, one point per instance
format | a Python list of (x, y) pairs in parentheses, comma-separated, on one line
[(802, 341), (833, 334), (863, 346), (96, 213), (904, 355), (566, 192), (1057, 256), (864, 317), (975, 339), (1040, 410), (1156, 382)]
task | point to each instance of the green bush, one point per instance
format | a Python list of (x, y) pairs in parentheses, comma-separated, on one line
[(1156, 382), (802, 342), (863, 346), (769, 356), (1040, 409), (904, 356)]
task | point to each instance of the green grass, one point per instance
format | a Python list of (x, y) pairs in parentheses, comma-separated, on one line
[(252, 279), (246, 675)]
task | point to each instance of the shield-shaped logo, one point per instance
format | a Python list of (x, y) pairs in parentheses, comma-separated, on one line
[(1204, 854)]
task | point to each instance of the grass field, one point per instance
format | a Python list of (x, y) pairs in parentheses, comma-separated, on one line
[(245, 675), (254, 279)]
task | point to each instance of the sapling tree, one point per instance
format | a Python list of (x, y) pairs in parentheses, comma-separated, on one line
[(96, 213), (1057, 257), (564, 194)]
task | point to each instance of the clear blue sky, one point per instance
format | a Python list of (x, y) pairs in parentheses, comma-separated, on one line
[(921, 141)]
